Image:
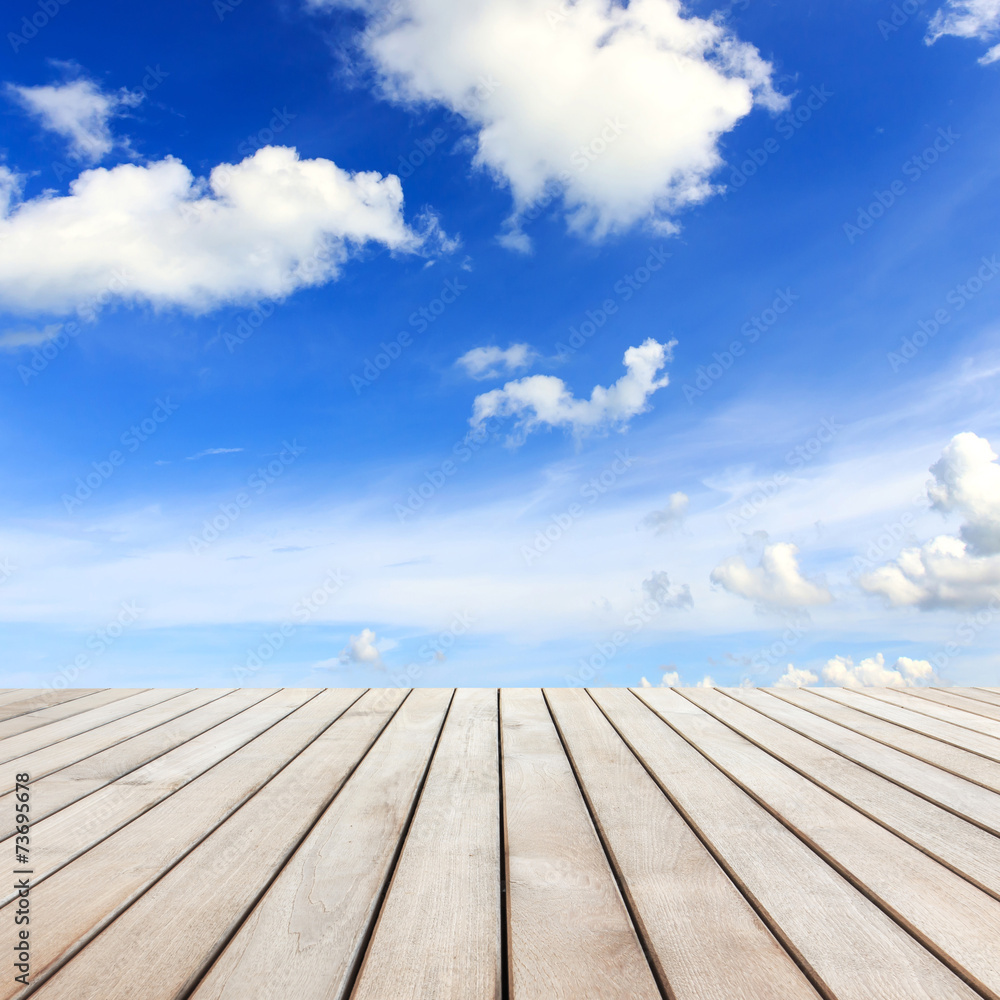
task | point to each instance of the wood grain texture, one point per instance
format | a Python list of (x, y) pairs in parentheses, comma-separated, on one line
[(965, 848), (957, 761), (956, 699), (438, 932), (964, 798), (71, 831), (77, 748), (912, 702), (701, 932), (55, 789), (979, 694), (22, 701), (305, 937), (917, 722), (55, 713), (80, 899), (570, 935), (851, 946), (960, 923)]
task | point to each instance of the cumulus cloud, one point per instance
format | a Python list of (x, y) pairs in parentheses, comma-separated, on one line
[(617, 110), (362, 649), (705, 682), (489, 362), (776, 581), (670, 679), (659, 589), (661, 520), (544, 400), (14, 340), (872, 672), (949, 571), (968, 19), (79, 111), (261, 228), (793, 678)]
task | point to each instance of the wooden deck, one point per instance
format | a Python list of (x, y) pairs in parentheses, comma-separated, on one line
[(696, 844)]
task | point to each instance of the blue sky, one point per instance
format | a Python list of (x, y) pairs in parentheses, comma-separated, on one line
[(768, 232)]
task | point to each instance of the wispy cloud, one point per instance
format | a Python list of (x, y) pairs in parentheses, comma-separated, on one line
[(213, 451), (14, 340)]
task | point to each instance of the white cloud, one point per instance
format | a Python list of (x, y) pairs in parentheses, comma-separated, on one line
[(673, 513), (950, 572), (617, 109), (968, 19), (776, 581), (705, 682), (545, 400), (79, 111), (13, 340), (362, 649), (793, 678), (212, 451), (658, 588), (262, 228), (489, 362), (670, 679), (872, 672)]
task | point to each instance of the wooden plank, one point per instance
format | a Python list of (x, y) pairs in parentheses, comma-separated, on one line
[(96, 720), (917, 722), (160, 947), (955, 919), (55, 713), (448, 872), (933, 710), (67, 834), (700, 931), (978, 694), (966, 849), (77, 748), (58, 789), (956, 699), (847, 943), (569, 932), (964, 798), (80, 899), (957, 761), (26, 700)]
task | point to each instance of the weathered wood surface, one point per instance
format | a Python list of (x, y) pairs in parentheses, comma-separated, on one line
[(696, 844)]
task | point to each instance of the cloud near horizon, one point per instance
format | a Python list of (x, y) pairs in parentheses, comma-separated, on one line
[(950, 571)]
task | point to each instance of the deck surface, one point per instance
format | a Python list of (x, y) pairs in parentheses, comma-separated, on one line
[(522, 844)]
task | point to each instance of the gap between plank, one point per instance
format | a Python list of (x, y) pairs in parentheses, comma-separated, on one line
[(943, 957)]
